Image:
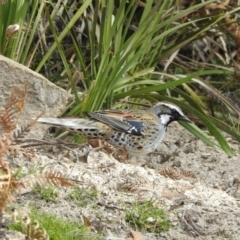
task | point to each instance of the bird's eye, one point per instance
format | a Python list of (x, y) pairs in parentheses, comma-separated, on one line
[(175, 112)]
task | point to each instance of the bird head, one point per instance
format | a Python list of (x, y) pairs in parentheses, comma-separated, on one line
[(168, 112)]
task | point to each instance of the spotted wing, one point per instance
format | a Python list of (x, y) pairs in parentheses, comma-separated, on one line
[(124, 121)]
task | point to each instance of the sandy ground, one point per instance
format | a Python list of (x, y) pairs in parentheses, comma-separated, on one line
[(197, 185)]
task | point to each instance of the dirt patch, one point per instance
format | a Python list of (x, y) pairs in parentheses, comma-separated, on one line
[(197, 185)]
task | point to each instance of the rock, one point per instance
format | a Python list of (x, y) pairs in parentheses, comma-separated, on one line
[(43, 96), (12, 235)]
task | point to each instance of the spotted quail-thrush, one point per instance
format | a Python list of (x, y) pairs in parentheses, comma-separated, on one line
[(139, 131)]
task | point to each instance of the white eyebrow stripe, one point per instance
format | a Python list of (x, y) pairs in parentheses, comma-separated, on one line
[(174, 107)]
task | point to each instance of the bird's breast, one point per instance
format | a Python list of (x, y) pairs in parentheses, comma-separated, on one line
[(146, 143)]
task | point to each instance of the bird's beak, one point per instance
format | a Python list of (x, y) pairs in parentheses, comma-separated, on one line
[(183, 118)]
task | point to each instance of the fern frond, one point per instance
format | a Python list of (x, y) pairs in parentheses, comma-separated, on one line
[(5, 185), (46, 179), (57, 178), (170, 173), (176, 175), (33, 229), (19, 134), (9, 115)]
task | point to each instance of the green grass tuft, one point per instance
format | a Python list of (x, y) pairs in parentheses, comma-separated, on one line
[(46, 193), (83, 196), (145, 217), (55, 227)]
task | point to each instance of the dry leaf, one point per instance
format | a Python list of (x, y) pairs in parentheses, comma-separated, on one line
[(87, 222), (136, 235)]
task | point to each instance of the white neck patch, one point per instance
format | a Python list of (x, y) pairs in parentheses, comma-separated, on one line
[(165, 118)]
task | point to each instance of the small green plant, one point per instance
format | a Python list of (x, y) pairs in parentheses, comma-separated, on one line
[(39, 224), (147, 218), (46, 193), (22, 172), (84, 196)]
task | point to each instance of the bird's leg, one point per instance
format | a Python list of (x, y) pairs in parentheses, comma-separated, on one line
[(118, 153), (96, 144)]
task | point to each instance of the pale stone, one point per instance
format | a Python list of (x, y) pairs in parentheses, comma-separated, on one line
[(43, 96)]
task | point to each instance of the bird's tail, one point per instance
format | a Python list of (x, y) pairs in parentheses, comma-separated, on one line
[(70, 123)]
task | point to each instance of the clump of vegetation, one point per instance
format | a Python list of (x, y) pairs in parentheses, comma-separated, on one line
[(41, 225), (143, 51), (10, 142), (46, 193), (146, 217), (83, 196), (9, 117), (117, 53)]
